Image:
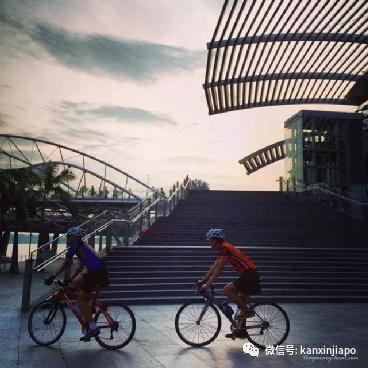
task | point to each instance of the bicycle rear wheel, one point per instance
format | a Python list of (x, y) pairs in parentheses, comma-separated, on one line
[(46, 323), (121, 332), (269, 326), (197, 324)]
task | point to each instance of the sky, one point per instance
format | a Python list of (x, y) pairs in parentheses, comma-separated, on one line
[(122, 80)]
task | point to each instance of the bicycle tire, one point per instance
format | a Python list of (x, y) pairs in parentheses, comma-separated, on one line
[(191, 310), (125, 328), (47, 309), (275, 322)]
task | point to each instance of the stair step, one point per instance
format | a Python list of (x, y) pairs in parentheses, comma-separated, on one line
[(265, 291), (304, 252), (258, 298), (265, 285)]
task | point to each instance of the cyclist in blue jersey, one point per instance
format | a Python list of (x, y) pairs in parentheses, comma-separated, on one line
[(84, 283)]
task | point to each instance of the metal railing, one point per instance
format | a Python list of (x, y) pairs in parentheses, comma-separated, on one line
[(40, 251), (342, 201), (137, 218)]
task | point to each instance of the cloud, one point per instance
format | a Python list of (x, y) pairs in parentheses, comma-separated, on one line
[(190, 160), (112, 112), (7, 20), (65, 134), (135, 60), (3, 121), (45, 137), (190, 126)]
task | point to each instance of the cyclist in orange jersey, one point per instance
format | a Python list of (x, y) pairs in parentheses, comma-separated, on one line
[(248, 282)]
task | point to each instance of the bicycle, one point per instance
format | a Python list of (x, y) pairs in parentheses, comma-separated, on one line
[(47, 321), (198, 324)]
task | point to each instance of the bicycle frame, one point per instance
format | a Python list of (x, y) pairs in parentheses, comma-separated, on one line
[(210, 297), (63, 295)]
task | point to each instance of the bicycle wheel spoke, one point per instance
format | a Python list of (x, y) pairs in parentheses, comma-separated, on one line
[(197, 324), (121, 331), (272, 328), (46, 323)]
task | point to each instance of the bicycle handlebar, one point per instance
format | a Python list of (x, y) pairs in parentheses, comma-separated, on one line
[(60, 283), (210, 291)]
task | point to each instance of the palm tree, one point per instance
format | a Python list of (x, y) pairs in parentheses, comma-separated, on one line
[(50, 184)]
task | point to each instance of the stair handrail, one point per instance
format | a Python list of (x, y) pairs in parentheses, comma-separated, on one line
[(127, 220), (183, 185), (339, 193), (61, 236), (146, 209), (324, 187), (137, 207), (84, 238)]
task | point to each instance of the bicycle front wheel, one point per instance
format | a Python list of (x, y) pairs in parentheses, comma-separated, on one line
[(121, 331), (269, 326), (197, 324), (46, 323)]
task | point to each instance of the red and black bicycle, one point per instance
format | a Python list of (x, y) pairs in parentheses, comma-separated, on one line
[(47, 321)]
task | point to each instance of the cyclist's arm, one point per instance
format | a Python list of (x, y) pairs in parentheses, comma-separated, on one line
[(210, 272), (68, 259), (78, 270), (220, 266), (66, 264)]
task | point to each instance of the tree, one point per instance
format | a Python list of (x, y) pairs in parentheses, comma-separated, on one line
[(198, 184), (5, 205), (83, 191), (50, 182), (19, 202)]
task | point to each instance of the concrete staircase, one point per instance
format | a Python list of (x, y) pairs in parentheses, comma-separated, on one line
[(304, 252)]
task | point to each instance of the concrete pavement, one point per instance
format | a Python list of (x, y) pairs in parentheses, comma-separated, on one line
[(156, 343)]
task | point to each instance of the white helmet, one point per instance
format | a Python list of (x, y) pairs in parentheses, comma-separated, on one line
[(215, 233), (76, 231)]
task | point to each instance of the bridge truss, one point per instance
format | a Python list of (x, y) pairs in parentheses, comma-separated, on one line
[(20, 151)]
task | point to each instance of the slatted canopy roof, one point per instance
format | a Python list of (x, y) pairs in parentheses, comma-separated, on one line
[(285, 52), (264, 157)]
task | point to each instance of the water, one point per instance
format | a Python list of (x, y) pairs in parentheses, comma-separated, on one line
[(23, 250), (24, 247)]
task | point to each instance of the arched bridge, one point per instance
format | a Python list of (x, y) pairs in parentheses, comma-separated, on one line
[(19, 151)]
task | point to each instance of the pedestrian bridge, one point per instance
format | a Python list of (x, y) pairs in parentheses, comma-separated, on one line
[(20, 152)]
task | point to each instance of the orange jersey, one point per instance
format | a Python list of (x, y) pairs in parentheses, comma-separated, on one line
[(235, 257)]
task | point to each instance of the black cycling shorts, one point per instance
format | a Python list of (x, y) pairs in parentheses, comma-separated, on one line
[(93, 278), (248, 283)]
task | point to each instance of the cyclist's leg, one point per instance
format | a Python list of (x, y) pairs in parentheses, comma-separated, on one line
[(234, 295), (85, 305), (90, 281), (247, 284), (78, 282), (231, 291), (88, 285), (245, 297)]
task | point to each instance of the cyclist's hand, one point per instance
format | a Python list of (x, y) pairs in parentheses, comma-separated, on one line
[(204, 288), (49, 280), (68, 282)]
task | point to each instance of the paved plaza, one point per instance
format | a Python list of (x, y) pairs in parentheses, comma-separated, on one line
[(156, 343)]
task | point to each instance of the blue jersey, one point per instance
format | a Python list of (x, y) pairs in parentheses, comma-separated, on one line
[(86, 255)]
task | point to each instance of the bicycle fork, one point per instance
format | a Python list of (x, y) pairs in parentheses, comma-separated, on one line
[(204, 310)]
